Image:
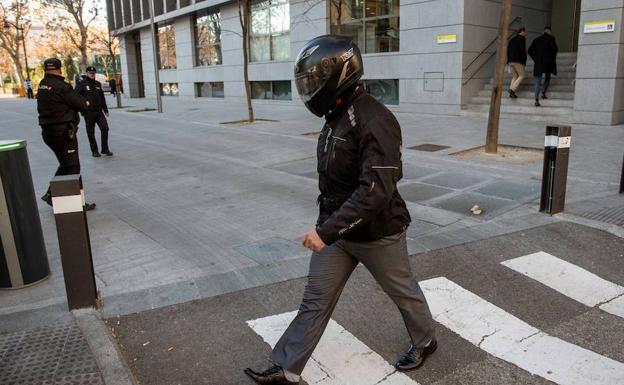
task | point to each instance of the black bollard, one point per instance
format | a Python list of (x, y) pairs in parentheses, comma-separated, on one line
[(555, 173), (74, 243)]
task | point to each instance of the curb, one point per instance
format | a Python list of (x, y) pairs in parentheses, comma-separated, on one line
[(105, 351)]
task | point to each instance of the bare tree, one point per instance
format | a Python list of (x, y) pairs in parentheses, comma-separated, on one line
[(14, 30), (243, 16), (110, 43), (76, 25)]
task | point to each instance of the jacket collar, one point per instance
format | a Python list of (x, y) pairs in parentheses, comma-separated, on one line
[(62, 78), (345, 101)]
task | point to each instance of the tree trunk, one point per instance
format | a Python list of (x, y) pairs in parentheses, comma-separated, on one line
[(83, 55), (18, 71), (244, 20), (491, 141)]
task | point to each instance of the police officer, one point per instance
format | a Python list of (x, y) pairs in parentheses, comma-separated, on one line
[(362, 216), (58, 105), (96, 113)]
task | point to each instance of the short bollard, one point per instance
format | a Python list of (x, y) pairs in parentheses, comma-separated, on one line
[(555, 174), (74, 243)]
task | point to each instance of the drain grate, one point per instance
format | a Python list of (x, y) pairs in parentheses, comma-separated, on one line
[(612, 215), (428, 147), (57, 354)]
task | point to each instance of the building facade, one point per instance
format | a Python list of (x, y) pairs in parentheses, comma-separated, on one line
[(431, 56)]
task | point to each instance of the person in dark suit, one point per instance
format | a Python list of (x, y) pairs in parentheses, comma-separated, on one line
[(516, 59), (543, 51)]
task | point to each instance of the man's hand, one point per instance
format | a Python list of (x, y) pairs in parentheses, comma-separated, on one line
[(312, 241), (106, 113)]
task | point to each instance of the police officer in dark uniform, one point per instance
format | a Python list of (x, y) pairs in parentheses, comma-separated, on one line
[(96, 113), (58, 105), (362, 216)]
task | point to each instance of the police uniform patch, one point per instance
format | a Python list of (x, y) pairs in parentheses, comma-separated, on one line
[(44, 87)]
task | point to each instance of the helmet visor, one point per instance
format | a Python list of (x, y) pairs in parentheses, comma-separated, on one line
[(308, 83)]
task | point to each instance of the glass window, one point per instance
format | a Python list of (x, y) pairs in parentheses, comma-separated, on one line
[(276, 90), (208, 39), (166, 45), (384, 90), (373, 24), (169, 89), (209, 89), (269, 32)]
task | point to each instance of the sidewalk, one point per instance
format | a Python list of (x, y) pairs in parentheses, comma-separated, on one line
[(189, 208)]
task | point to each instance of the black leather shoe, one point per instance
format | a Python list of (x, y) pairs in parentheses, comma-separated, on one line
[(47, 198), (107, 153), (273, 375), (89, 206), (95, 154), (415, 357), (544, 95), (537, 103)]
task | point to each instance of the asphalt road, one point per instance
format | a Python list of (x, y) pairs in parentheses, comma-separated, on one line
[(210, 342)]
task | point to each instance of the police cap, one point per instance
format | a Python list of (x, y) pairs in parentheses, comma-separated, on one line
[(91, 69), (52, 64)]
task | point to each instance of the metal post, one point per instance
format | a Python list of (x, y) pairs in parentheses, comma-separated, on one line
[(156, 74), (74, 243), (25, 56), (622, 178)]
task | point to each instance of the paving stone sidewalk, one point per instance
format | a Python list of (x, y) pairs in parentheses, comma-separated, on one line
[(189, 208)]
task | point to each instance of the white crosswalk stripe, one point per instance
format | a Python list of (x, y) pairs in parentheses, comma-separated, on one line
[(339, 358), (513, 340), (571, 280)]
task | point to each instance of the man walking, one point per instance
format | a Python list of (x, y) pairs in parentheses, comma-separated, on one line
[(96, 113), (58, 105), (516, 59), (29, 89), (362, 216), (543, 51)]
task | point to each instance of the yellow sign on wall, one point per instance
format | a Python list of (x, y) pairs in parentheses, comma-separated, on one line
[(599, 26), (445, 39)]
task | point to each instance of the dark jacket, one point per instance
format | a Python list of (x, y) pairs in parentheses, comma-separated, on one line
[(57, 102), (516, 50), (543, 51), (359, 165), (92, 91)]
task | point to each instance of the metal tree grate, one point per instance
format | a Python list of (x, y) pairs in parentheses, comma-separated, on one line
[(57, 354)]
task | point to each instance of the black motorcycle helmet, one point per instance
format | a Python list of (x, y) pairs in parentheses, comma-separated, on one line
[(326, 66)]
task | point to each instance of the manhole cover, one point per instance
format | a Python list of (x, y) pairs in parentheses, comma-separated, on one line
[(272, 250), (428, 147)]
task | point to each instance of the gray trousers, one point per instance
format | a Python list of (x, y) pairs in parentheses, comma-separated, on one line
[(330, 269)]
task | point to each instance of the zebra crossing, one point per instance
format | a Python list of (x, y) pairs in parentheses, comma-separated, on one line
[(341, 358)]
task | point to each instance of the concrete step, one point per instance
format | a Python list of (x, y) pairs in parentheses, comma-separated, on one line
[(529, 94), (551, 119), (507, 101), (528, 110), (530, 87), (560, 75), (554, 81)]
